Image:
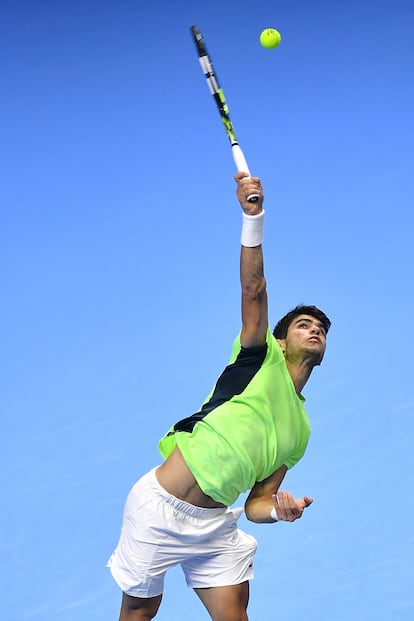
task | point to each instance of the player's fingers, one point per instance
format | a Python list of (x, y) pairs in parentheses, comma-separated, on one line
[(254, 182), (242, 178), (248, 186), (289, 506), (282, 499), (247, 183), (240, 175)]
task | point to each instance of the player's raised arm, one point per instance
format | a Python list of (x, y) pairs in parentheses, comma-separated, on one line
[(253, 283)]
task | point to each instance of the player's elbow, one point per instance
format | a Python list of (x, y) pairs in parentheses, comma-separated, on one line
[(251, 513), (254, 290)]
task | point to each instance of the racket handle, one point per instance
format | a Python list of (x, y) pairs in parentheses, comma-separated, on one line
[(241, 166)]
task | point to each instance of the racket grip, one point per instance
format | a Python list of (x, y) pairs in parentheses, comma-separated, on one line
[(241, 166)]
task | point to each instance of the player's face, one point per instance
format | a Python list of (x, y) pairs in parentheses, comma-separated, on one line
[(306, 336)]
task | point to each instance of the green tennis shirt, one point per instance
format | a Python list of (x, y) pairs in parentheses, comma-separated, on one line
[(251, 423)]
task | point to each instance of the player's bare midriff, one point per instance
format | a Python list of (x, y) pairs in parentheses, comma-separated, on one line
[(176, 478)]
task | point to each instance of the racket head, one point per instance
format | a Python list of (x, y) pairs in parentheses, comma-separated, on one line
[(218, 96), (213, 83)]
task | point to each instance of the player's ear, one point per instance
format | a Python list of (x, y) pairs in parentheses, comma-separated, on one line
[(282, 343)]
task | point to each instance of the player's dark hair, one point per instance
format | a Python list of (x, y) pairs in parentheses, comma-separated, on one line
[(282, 326)]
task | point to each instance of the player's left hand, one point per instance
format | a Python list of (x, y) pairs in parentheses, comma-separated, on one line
[(288, 508)]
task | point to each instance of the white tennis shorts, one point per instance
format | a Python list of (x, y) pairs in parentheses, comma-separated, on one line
[(159, 531)]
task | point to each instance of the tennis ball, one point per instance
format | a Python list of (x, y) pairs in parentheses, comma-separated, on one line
[(270, 38)]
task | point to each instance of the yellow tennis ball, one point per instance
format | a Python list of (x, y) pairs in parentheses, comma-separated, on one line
[(270, 38)]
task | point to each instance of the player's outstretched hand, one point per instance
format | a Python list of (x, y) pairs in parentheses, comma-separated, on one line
[(249, 185), (288, 508)]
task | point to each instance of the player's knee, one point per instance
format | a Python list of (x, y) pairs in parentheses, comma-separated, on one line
[(226, 603), (230, 615)]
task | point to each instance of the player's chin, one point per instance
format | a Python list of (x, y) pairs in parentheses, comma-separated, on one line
[(316, 352)]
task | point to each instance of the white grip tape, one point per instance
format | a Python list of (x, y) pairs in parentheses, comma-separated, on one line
[(239, 159), (241, 166), (252, 230)]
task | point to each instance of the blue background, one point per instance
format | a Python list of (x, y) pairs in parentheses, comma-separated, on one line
[(119, 245)]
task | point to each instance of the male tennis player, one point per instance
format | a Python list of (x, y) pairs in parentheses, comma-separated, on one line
[(251, 429)]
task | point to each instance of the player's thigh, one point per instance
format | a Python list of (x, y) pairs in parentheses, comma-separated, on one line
[(226, 603), (139, 608)]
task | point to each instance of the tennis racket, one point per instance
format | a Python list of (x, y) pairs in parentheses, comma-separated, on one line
[(218, 95)]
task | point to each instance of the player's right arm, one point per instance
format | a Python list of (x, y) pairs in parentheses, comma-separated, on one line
[(253, 283)]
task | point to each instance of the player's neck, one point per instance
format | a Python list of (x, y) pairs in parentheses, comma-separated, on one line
[(300, 373)]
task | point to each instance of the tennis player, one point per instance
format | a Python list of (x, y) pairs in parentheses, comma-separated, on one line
[(250, 430)]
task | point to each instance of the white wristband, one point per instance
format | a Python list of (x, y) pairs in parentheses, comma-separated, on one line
[(252, 230), (273, 515)]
